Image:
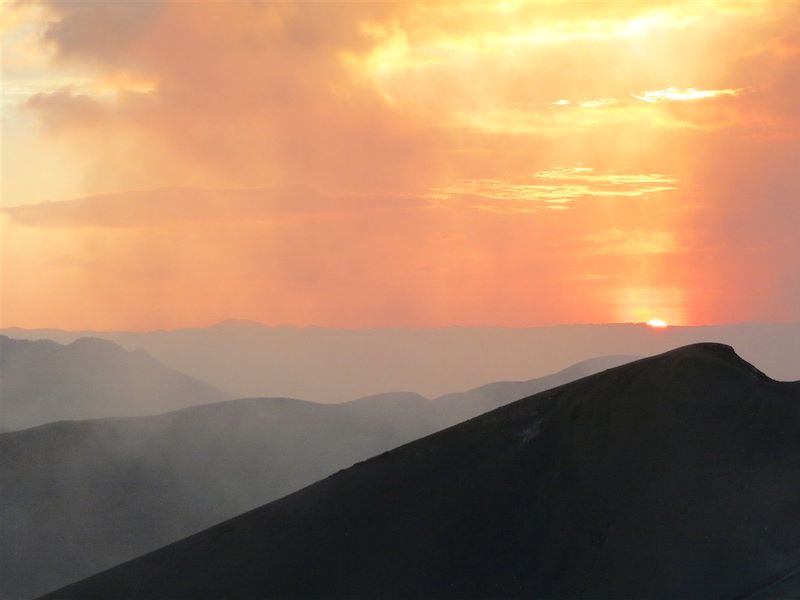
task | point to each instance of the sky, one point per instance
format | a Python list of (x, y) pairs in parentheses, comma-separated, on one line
[(361, 164)]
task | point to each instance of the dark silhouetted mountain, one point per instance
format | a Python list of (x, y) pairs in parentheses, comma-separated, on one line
[(336, 365), (83, 496), (461, 406), (43, 381), (671, 477)]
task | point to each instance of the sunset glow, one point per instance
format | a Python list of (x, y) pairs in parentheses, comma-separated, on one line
[(355, 164), (657, 323)]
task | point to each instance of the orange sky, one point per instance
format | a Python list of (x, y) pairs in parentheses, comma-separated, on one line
[(170, 164)]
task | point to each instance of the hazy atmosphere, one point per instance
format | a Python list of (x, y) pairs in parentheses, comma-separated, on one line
[(372, 164), (403, 300)]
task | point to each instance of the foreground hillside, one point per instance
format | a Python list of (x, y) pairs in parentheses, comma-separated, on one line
[(673, 476), (43, 381), (83, 496)]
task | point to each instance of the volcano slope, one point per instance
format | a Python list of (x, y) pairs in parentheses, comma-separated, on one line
[(79, 497), (673, 476)]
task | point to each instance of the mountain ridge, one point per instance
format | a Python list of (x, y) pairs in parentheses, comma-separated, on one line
[(645, 480), (43, 381), (186, 470), (256, 360)]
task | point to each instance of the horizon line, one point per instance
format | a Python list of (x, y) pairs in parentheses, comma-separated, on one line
[(253, 323)]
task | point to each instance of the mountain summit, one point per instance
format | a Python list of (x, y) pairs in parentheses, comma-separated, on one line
[(672, 476)]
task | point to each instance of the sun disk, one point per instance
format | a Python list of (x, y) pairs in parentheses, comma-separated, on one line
[(658, 323)]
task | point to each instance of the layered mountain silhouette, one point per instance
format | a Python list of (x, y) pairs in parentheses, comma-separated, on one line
[(82, 496), (670, 477), (43, 381), (321, 364)]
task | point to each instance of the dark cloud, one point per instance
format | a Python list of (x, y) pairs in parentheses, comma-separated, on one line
[(257, 93), (156, 208), (102, 32)]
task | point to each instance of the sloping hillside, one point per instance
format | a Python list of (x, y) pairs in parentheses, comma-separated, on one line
[(460, 406), (673, 476), (83, 496)]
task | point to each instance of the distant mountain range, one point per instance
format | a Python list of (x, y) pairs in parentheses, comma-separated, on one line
[(43, 381), (81, 496), (674, 476), (336, 365)]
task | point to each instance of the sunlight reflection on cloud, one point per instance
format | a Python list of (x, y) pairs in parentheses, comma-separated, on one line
[(558, 187), (673, 94)]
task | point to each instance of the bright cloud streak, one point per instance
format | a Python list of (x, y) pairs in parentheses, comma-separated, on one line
[(673, 94), (563, 102), (556, 188)]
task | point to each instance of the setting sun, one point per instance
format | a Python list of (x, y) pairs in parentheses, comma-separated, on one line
[(657, 323)]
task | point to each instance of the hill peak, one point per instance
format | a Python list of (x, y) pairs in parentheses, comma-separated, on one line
[(710, 348), (90, 377), (95, 343), (714, 352)]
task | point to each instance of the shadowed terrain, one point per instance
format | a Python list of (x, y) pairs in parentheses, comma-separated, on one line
[(673, 476), (43, 381), (460, 406), (83, 496)]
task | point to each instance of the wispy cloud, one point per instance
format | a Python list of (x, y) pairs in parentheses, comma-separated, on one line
[(160, 207), (670, 94), (673, 94), (629, 242), (597, 102), (557, 188), (564, 103)]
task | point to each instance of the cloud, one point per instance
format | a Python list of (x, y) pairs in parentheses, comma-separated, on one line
[(210, 93), (361, 96), (457, 163), (292, 255), (160, 207), (563, 103), (555, 188), (673, 94)]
